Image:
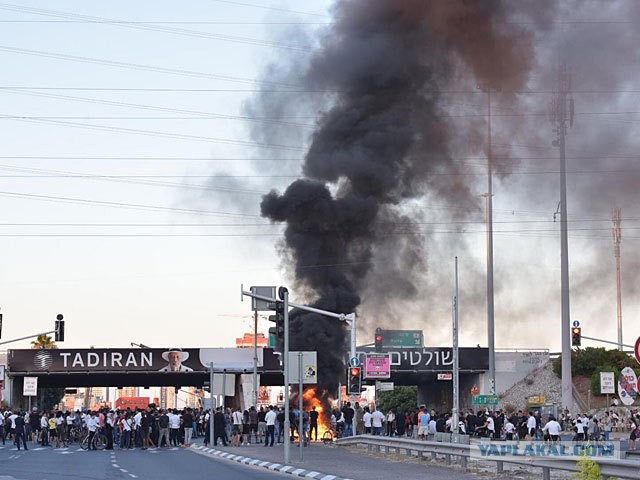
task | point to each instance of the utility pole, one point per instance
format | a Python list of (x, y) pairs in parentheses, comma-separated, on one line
[(456, 373), (562, 118), (489, 220), (617, 240)]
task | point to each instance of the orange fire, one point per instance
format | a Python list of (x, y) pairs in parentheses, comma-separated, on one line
[(311, 400)]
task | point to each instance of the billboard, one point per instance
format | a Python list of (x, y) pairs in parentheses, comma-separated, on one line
[(161, 360), (377, 365), (628, 386), (434, 359)]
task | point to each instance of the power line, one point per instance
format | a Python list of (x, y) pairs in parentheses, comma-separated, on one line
[(154, 133), (134, 206), (138, 66), (151, 27)]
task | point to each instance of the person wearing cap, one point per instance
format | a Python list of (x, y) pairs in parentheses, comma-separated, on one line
[(175, 357)]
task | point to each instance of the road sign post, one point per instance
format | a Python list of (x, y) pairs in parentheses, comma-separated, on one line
[(485, 400)]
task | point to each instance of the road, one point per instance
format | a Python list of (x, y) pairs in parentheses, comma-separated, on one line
[(75, 464)]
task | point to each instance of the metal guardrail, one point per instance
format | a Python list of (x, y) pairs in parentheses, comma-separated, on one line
[(456, 447)]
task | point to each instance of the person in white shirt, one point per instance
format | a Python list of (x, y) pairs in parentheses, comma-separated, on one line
[(579, 429), (236, 430), (553, 428), (531, 426), (491, 426), (174, 425), (431, 427), (508, 430), (44, 426), (391, 418), (137, 429), (125, 437), (92, 426), (270, 420), (366, 418), (377, 418)]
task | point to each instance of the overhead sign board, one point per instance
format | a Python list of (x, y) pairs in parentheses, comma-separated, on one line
[(377, 365), (30, 387), (433, 359), (445, 376), (485, 400), (107, 360), (607, 383), (303, 365), (402, 338)]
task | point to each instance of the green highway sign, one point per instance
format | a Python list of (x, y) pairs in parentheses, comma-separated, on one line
[(402, 338), (485, 400)]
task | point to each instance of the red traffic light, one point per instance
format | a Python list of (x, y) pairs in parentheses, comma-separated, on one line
[(378, 338), (355, 371)]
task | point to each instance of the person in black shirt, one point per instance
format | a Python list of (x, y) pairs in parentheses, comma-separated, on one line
[(163, 425), (348, 413), (313, 423), (219, 428), (19, 432), (187, 423), (280, 420)]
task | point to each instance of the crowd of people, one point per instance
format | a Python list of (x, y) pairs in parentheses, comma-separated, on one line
[(151, 427), (127, 429), (422, 423)]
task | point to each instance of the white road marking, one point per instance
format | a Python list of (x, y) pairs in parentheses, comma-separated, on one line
[(297, 471), (124, 471), (312, 474), (115, 465), (133, 476)]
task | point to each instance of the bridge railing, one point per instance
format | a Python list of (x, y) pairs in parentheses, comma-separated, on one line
[(456, 448)]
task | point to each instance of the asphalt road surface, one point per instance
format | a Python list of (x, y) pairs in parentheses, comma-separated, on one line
[(45, 463)]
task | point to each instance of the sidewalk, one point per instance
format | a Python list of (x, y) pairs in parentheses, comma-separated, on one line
[(347, 463)]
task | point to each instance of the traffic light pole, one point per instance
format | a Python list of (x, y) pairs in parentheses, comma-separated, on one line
[(27, 337), (349, 318), (607, 341)]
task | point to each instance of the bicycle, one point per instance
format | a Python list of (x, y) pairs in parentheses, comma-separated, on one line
[(99, 442), (76, 434)]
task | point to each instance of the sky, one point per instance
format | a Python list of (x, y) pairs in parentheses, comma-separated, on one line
[(131, 186)]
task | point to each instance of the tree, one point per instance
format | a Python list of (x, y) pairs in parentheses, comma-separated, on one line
[(43, 342), (401, 398)]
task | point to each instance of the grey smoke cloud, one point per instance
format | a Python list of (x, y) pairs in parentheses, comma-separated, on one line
[(381, 144)]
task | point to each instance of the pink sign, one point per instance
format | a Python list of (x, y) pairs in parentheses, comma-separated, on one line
[(377, 365)]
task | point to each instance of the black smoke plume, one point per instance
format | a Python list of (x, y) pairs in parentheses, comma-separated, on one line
[(383, 144)]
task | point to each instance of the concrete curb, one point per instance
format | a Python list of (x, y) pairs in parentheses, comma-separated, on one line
[(276, 467)]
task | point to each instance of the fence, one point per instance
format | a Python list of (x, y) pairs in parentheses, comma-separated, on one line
[(456, 448)]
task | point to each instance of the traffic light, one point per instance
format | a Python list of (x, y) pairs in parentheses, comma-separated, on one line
[(206, 386), (278, 330), (576, 334), (379, 338), (354, 381), (59, 337)]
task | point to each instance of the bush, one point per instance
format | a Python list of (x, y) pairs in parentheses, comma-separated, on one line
[(589, 362), (588, 469)]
